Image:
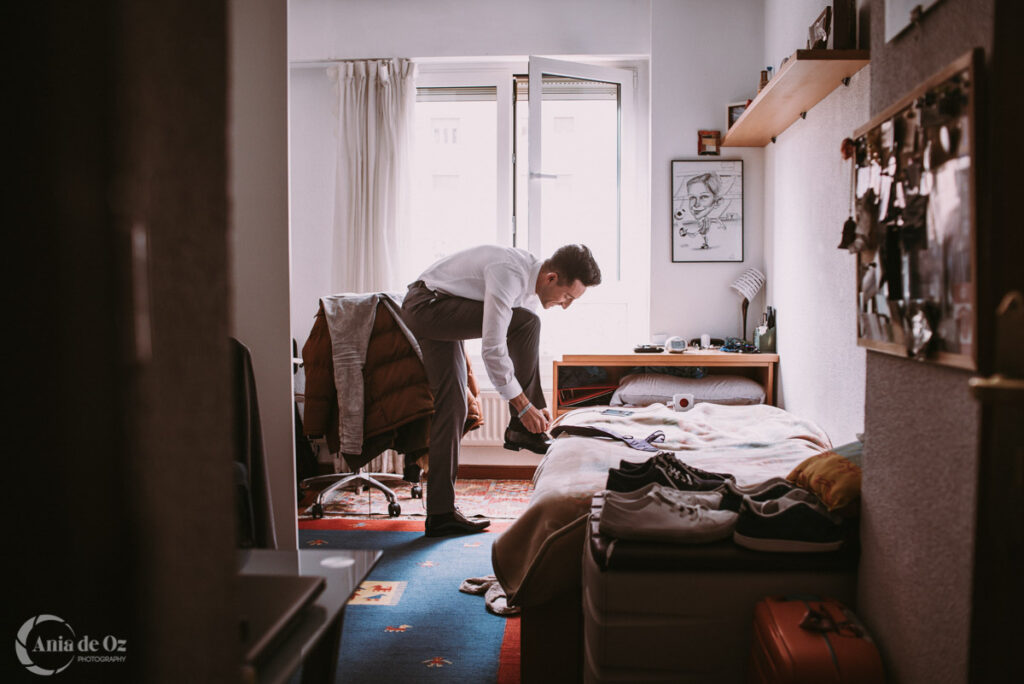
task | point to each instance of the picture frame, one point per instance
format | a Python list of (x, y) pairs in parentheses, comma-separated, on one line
[(709, 142), (835, 28), (916, 219), (733, 112), (707, 210), (819, 32)]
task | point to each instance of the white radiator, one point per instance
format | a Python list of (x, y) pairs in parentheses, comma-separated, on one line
[(492, 432)]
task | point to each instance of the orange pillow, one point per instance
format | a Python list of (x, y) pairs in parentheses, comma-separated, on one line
[(835, 479)]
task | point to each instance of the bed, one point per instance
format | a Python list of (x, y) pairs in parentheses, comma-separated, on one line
[(540, 559)]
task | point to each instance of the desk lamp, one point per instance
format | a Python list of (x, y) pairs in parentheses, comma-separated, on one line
[(747, 286)]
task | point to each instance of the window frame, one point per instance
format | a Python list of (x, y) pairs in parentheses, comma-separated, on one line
[(469, 75)]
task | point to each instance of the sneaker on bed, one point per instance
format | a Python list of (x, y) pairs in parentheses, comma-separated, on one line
[(619, 481), (669, 472), (708, 499), (655, 519), (667, 457), (788, 524), (774, 488)]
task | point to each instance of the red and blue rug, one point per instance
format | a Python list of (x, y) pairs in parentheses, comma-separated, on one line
[(408, 621)]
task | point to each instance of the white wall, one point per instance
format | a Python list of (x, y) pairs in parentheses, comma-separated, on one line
[(813, 283), (327, 29), (258, 169), (312, 155), (703, 56)]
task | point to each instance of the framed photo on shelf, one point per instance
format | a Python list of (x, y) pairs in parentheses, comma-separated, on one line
[(733, 112), (707, 210)]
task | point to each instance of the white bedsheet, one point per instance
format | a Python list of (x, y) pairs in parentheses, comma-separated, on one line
[(753, 443), (538, 557)]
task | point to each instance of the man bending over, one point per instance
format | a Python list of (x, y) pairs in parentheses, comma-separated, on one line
[(487, 292)]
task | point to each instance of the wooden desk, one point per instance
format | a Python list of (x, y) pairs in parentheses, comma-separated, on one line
[(760, 367)]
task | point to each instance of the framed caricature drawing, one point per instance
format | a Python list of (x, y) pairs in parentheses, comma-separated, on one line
[(707, 210)]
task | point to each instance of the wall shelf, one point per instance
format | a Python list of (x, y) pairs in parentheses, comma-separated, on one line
[(806, 78)]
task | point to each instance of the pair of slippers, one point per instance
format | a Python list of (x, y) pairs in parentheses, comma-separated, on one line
[(494, 594)]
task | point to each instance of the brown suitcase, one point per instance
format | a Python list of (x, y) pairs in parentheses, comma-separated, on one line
[(805, 640)]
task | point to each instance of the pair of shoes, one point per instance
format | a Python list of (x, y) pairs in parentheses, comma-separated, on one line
[(442, 524), (537, 442), (666, 470), (667, 457), (796, 522), (658, 518)]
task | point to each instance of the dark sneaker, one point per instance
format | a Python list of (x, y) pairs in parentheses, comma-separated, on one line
[(663, 474), (537, 442), (442, 524), (668, 458), (789, 524)]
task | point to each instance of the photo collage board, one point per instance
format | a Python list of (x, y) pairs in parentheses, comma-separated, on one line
[(914, 195)]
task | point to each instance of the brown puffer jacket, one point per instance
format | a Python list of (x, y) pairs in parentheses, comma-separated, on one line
[(397, 400)]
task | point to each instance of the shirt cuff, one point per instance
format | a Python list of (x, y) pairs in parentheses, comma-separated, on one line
[(512, 389)]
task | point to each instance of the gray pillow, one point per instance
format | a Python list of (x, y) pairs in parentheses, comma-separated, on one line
[(642, 389)]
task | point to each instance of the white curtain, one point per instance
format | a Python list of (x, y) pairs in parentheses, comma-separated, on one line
[(375, 100)]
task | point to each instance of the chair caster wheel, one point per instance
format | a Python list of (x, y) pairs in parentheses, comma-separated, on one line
[(417, 492), (394, 510), (317, 510)]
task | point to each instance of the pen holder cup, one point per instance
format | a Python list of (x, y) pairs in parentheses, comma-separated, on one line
[(765, 342)]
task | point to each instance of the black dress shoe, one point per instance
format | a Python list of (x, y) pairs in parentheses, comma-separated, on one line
[(441, 524), (537, 442)]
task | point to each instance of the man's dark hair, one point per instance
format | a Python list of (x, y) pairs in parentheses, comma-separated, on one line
[(574, 262)]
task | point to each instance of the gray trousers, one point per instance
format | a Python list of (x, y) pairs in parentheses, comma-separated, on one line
[(440, 323)]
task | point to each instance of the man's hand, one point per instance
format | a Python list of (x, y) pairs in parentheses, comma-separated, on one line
[(534, 420)]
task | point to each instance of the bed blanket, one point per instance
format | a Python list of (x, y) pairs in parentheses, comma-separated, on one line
[(538, 557)]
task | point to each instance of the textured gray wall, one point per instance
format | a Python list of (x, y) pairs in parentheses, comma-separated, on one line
[(921, 429)]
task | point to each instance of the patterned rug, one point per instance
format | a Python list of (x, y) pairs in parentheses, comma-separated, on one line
[(408, 621), (494, 499)]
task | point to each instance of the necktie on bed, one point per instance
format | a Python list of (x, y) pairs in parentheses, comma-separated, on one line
[(646, 444)]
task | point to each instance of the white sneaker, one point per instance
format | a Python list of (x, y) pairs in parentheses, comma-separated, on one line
[(709, 499), (653, 518)]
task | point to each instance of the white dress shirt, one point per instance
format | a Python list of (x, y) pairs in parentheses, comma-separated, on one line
[(503, 278)]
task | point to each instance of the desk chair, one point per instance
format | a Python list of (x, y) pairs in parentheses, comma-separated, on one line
[(358, 478)]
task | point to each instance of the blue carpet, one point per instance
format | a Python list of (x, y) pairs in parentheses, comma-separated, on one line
[(434, 633)]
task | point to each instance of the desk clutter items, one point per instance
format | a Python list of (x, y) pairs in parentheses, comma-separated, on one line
[(807, 639), (747, 285), (915, 209), (735, 344), (676, 345), (764, 333)]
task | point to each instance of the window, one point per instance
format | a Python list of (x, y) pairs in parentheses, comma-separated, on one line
[(482, 173)]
